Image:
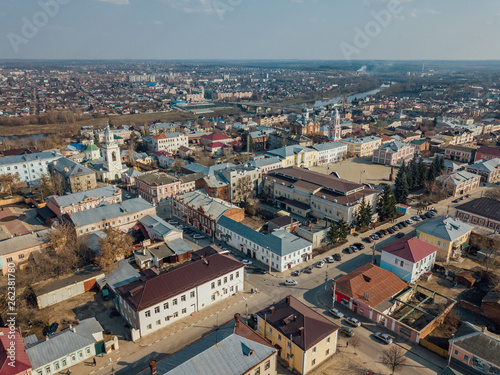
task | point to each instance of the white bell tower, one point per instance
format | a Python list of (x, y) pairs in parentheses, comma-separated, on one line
[(111, 154), (334, 129)]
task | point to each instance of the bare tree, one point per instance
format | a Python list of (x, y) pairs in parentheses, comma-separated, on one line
[(493, 193), (355, 342), (243, 190), (115, 246), (177, 166), (10, 183), (394, 358)]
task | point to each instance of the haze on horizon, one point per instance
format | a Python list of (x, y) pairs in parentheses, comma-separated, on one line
[(250, 29)]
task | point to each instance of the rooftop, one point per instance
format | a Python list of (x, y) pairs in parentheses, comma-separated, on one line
[(486, 207), (39, 156), (26, 241), (483, 344), (70, 168), (446, 228), (157, 179), (411, 249), (85, 196)]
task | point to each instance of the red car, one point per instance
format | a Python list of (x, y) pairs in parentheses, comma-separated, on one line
[(368, 239)]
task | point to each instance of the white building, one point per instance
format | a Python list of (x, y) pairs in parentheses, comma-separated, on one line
[(29, 167), (408, 258), (334, 128), (331, 152), (169, 142), (280, 249), (150, 304)]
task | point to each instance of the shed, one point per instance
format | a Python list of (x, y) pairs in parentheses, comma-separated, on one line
[(465, 278), (400, 207), (65, 288)]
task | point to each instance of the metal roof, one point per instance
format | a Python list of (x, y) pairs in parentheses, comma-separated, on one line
[(26, 241), (39, 156), (158, 225), (77, 198), (70, 168), (446, 228)]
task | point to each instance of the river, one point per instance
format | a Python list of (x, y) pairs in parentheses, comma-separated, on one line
[(360, 95)]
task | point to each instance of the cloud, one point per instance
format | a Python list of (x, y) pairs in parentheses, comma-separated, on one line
[(116, 2)]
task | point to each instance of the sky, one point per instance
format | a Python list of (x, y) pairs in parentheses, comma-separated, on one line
[(250, 29)]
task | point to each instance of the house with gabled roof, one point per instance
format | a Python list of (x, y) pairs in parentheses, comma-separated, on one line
[(408, 258), (13, 357), (304, 338)]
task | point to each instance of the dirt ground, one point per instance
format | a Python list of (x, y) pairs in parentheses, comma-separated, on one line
[(341, 363), (18, 220), (358, 169)]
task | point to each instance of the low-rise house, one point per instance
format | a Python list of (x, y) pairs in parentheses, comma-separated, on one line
[(489, 170), (13, 357), (153, 303), (129, 176), (280, 249), (214, 186), (266, 165), (160, 254), (287, 223), (158, 229), (157, 187), (447, 233), (459, 182), (475, 350), (393, 153), (486, 153), (420, 146), (82, 201), (298, 156), (188, 182), (363, 146), (122, 216), (233, 349), (330, 152), (304, 337), (408, 258), (481, 211), (203, 212), (67, 348), (17, 250)]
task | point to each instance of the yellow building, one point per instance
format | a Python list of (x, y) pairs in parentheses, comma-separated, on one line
[(298, 156), (362, 146), (448, 234), (303, 337)]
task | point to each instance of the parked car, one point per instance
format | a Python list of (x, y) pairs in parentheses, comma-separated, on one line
[(390, 230), (198, 236), (455, 201), (359, 245), (259, 270), (432, 213), (246, 262), (416, 218), (409, 221), (423, 217), (347, 331), (395, 227), (403, 224), (383, 337), (53, 328), (428, 215), (320, 264), (105, 294), (309, 269), (384, 231), (346, 250), (173, 222), (375, 236), (380, 234), (290, 282), (467, 196), (128, 196), (353, 321), (400, 226), (368, 239), (336, 313), (330, 259), (297, 272), (400, 234), (434, 210), (354, 248), (181, 227), (337, 257)]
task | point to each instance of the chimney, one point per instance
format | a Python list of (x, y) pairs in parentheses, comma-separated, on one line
[(272, 310), (237, 317), (301, 330)]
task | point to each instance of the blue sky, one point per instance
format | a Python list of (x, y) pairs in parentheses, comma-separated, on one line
[(250, 29)]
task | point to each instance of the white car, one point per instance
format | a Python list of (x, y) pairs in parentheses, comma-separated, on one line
[(246, 262), (199, 237), (320, 264), (290, 282), (409, 221), (416, 218), (336, 313), (353, 321), (330, 259), (173, 222), (383, 337)]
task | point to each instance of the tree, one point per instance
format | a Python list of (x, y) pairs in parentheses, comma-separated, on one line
[(10, 183), (365, 213), (355, 342), (243, 191), (493, 193), (333, 233), (421, 171), (177, 166), (114, 246), (412, 174), (387, 204), (394, 358), (343, 230), (401, 190)]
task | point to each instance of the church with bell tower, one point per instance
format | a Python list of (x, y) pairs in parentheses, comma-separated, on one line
[(110, 167), (334, 129)]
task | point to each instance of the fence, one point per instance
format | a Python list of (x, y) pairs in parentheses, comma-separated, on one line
[(434, 348)]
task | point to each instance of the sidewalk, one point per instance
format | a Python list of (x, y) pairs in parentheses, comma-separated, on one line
[(145, 347)]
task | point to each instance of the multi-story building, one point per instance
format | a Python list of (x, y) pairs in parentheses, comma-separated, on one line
[(489, 170), (485, 153), (448, 234), (459, 182), (243, 352), (408, 258), (481, 211), (279, 249), (269, 120), (82, 201), (169, 142), (266, 164), (16, 250), (188, 181), (65, 349), (232, 95), (157, 187), (420, 146), (330, 152), (203, 212), (362, 146), (305, 128), (259, 139), (305, 338), (122, 216), (298, 156), (242, 179), (393, 153), (312, 194), (28, 167), (460, 153), (74, 176), (150, 304)]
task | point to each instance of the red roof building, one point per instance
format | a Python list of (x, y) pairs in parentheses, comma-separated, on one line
[(215, 137), (13, 358), (486, 153)]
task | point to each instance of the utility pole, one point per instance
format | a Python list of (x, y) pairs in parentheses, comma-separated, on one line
[(373, 252), (326, 277)]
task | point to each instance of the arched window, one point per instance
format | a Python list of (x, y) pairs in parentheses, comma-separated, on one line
[(113, 156)]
